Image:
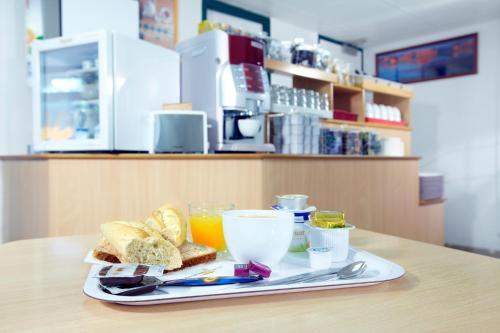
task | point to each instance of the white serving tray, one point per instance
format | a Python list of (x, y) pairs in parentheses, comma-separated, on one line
[(379, 270)]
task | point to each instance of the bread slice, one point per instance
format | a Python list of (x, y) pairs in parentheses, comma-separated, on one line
[(170, 222), (192, 254), (195, 254), (135, 242), (105, 252)]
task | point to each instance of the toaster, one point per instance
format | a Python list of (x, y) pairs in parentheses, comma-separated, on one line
[(178, 131)]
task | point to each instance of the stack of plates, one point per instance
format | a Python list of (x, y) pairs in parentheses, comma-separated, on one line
[(431, 186)]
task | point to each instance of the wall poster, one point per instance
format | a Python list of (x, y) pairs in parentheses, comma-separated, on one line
[(158, 22), (437, 60)]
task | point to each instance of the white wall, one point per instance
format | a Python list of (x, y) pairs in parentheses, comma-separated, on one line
[(287, 32), (15, 95), (337, 51), (246, 25), (456, 126), (121, 16), (189, 16)]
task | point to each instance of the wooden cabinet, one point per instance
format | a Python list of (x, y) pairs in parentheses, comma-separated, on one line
[(56, 195)]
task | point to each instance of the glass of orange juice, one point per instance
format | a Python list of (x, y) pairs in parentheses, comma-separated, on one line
[(206, 224)]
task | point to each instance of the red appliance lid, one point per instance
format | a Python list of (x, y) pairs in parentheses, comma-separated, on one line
[(245, 50)]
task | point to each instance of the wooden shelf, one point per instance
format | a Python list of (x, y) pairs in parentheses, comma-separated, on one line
[(297, 70), (380, 88), (432, 202), (342, 122), (360, 124), (342, 88), (396, 127)]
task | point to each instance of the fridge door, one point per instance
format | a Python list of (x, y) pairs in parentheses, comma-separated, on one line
[(73, 93)]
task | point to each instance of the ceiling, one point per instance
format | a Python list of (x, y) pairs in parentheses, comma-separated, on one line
[(371, 22)]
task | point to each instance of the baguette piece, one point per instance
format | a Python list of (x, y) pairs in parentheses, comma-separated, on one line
[(135, 242), (192, 254), (170, 222)]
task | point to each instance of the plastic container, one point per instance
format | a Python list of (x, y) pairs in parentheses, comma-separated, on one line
[(296, 119), (393, 146), (293, 139), (296, 148), (297, 130), (331, 141), (292, 201), (336, 239), (299, 242), (320, 257)]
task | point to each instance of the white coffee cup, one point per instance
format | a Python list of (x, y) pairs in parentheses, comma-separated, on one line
[(249, 127)]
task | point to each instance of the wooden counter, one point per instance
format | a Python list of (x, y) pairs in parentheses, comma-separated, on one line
[(69, 194), (444, 290), (263, 156)]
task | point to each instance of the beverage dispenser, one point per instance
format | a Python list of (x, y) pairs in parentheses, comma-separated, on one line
[(223, 75)]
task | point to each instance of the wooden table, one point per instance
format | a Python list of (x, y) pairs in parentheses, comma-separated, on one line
[(443, 290)]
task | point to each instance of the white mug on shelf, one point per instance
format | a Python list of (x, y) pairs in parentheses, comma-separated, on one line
[(383, 112), (399, 117), (369, 110), (377, 112)]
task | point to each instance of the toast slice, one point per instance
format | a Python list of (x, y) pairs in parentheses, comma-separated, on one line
[(195, 254)]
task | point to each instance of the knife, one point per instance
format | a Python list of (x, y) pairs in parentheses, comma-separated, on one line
[(149, 284)]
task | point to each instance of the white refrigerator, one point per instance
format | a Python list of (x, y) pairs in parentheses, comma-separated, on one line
[(94, 91)]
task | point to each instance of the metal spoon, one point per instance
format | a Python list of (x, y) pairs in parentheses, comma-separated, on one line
[(348, 272)]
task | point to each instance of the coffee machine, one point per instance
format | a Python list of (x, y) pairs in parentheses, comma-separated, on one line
[(223, 75)]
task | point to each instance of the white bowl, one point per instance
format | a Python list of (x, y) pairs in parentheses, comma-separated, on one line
[(260, 235), (249, 127)]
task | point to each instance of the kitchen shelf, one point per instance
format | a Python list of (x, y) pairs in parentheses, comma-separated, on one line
[(77, 72), (58, 92), (432, 202), (297, 70), (395, 127), (86, 101), (353, 98), (342, 88), (277, 108), (362, 124), (342, 122), (378, 87)]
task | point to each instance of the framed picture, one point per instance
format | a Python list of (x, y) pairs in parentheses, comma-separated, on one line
[(158, 22), (437, 60)]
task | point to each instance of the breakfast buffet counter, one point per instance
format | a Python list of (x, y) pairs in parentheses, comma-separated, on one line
[(442, 290), (71, 194)]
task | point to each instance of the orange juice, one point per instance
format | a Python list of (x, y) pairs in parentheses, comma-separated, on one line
[(207, 229)]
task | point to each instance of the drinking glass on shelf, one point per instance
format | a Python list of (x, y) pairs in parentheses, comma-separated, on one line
[(205, 220)]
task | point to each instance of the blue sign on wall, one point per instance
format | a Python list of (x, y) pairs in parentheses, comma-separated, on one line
[(437, 60)]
